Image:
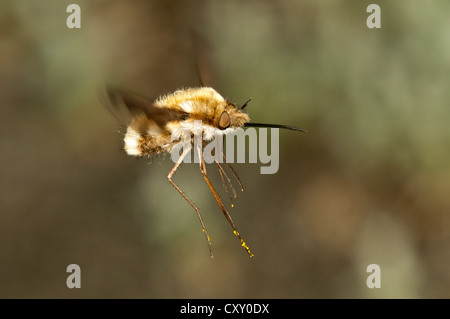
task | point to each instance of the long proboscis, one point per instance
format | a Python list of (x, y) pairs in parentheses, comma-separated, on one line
[(287, 127)]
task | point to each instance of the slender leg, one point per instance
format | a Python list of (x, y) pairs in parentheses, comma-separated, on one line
[(234, 172), (169, 177), (219, 201), (224, 175)]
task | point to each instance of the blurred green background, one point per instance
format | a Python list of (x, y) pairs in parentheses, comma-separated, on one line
[(370, 183)]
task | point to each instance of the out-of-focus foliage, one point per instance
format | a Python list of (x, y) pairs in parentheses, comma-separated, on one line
[(369, 184)]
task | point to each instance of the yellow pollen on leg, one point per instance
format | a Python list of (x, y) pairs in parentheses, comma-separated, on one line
[(243, 244), (207, 236)]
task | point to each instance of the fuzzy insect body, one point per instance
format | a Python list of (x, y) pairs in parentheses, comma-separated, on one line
[(157, 127)]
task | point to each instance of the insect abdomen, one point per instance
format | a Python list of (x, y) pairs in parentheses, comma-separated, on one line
[(137, 144)]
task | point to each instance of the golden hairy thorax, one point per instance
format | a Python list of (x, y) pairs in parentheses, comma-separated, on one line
[(203, 104)]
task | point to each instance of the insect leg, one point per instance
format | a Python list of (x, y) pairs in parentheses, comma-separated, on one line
[(224, 175), (169, 177), (235, 174), (219, 201)]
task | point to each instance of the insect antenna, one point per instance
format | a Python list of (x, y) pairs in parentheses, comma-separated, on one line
[(245, 104)]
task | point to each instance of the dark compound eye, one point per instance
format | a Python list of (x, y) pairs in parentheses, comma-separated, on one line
[(224, 121)]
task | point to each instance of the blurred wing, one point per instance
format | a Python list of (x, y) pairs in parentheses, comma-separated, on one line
[(139, 112)]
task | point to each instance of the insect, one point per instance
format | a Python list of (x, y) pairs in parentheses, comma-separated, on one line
[(152, 125)]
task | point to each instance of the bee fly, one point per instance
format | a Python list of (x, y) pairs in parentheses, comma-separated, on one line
[(152, 125)]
